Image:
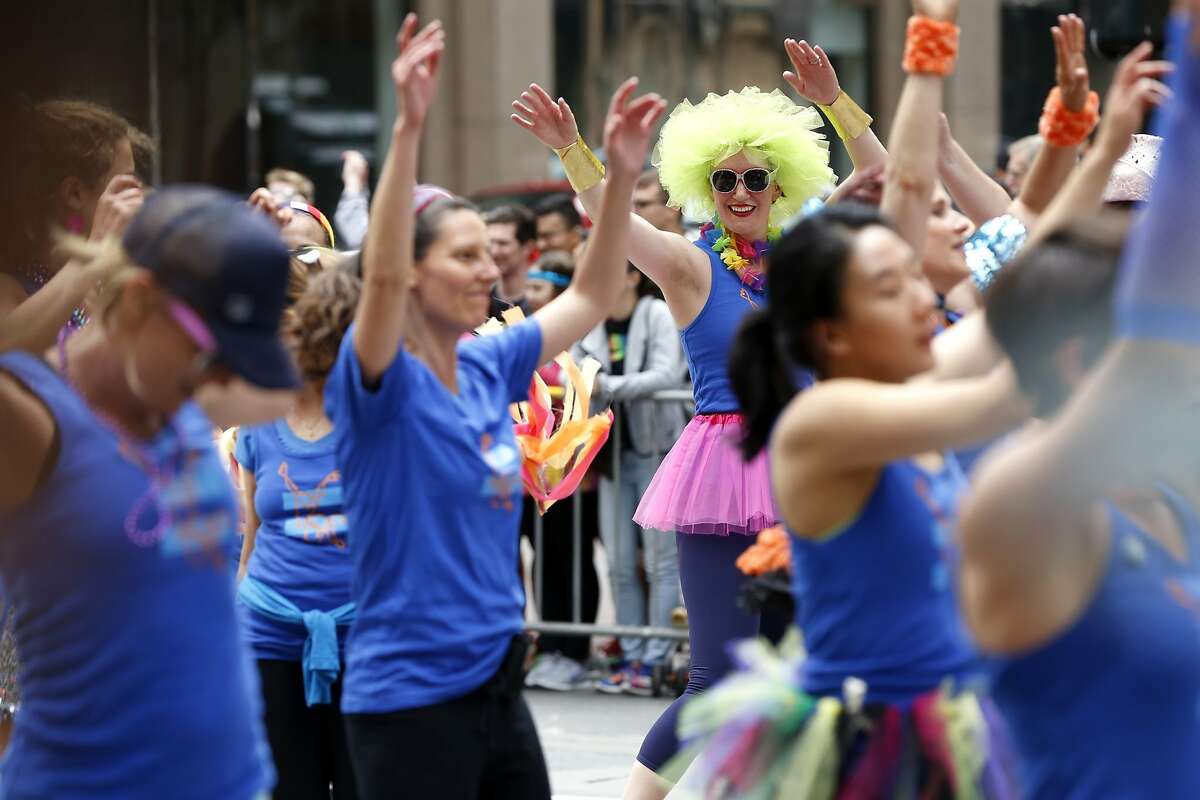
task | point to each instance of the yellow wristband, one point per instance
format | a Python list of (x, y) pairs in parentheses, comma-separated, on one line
[(583, 169), (847, 118)]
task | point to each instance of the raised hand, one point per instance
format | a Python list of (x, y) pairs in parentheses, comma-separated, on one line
[(415, 70), (814, 78), (262, 200), (118, 205), (941, 10), (1135, 90), (550, 120), (629, 128), (354, 171), (1070, 37)]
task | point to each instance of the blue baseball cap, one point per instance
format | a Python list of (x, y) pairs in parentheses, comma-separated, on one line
[(226, 262)]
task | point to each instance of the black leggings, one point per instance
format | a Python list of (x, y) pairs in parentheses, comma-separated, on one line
[(559, 553), (308, 743), (481, 746)]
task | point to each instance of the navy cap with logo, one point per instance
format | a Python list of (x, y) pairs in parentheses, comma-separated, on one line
[(208, 249)]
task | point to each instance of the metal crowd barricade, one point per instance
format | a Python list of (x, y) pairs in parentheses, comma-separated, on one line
[(577, 627)]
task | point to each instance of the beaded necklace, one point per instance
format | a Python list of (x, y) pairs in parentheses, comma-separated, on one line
[(160, 475), (38, 276), (740, 256)]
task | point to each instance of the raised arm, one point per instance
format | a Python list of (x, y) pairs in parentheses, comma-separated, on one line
[(597, 285), (1135, 90), (814, 78), (912, 168), (979, 196), (1136, 412), (677, 267), (1060, 153), (34, 324), (388, 252)]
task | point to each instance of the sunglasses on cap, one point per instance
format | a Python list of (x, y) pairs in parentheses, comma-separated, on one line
[(755, 179)]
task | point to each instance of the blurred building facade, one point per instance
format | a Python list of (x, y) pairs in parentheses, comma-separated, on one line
[(232, 88)]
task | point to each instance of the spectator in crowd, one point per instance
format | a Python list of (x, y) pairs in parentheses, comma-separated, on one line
[(352, 209), (548, 278), (650, 203), (559, 226), (639, 353), (286, 185), (1021, 155), (512, 237)]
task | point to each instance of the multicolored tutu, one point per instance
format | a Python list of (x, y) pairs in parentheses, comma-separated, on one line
[(704, 486), (759, 735)]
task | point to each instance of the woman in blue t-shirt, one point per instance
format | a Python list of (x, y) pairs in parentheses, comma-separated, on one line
[(295, 590), (115, 513), (431, 470)]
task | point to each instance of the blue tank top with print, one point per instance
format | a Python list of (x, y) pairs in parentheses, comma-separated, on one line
[(709, 337), (134, 680), (1110, 709), (875, 599)]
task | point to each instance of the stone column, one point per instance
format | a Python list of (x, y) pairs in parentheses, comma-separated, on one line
[(494, 51), (972, 97)]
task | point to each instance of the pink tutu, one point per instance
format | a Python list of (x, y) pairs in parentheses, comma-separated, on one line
[(704, 485)]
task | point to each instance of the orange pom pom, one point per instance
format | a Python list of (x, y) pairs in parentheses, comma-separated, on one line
[(770, 552), (932, 47), (1062, 127)]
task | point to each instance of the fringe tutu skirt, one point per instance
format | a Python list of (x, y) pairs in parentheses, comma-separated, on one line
[(704, 486), (759, 735)]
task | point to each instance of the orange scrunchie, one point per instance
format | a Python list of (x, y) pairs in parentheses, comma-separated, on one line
[(932, 47), (1062, 127)]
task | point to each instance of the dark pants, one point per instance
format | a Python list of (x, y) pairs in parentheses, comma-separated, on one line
[(711, 581), (308, 743), (481, 746), (556, 560)]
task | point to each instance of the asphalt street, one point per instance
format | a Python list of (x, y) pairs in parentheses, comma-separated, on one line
[(590, 739)]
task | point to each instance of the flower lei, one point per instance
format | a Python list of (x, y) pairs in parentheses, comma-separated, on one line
[(740, 256)]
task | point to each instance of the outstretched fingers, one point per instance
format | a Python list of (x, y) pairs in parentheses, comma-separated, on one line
[(621, 96)]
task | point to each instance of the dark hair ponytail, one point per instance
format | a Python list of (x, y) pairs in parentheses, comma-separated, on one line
[(760, 379), (806, 272)]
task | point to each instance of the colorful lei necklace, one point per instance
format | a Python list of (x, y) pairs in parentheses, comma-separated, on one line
[(741, 257), (38, 276)]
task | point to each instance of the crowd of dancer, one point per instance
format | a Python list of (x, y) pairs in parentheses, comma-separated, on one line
[(968, 410)]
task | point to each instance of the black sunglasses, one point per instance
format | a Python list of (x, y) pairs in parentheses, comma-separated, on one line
[(755, 179)]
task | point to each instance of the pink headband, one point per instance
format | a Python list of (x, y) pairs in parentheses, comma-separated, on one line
[(426, 193), (193, 326)]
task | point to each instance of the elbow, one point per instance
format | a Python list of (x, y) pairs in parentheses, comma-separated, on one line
[(907, 181)]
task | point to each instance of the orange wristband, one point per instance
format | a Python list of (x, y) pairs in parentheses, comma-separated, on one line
[(1062, 127), (932, 47)]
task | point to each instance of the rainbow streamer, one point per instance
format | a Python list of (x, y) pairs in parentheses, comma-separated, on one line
[(556, 451)]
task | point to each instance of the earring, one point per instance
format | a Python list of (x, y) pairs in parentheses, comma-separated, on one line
[(75, 224)]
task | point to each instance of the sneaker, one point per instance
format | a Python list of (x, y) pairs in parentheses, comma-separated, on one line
[(617, 682), (543, 665), (641, 681), (564, 675)]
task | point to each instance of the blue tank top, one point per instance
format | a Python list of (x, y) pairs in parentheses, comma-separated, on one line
[(134, 681), (1110, 709), (875, 599), (709, 337)]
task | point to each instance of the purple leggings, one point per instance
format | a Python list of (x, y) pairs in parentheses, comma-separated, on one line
[(711, 581)]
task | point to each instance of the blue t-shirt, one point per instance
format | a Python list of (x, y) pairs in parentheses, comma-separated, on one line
[(300, 547), (135, 682), (432, 491)]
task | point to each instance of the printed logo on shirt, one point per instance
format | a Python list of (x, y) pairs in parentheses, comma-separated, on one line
[(616, 348), (1185, 591), (504, 480), (200, 518), (941, 508), (316, 514)]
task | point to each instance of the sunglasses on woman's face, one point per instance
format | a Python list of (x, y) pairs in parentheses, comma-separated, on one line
[(755, 179)]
